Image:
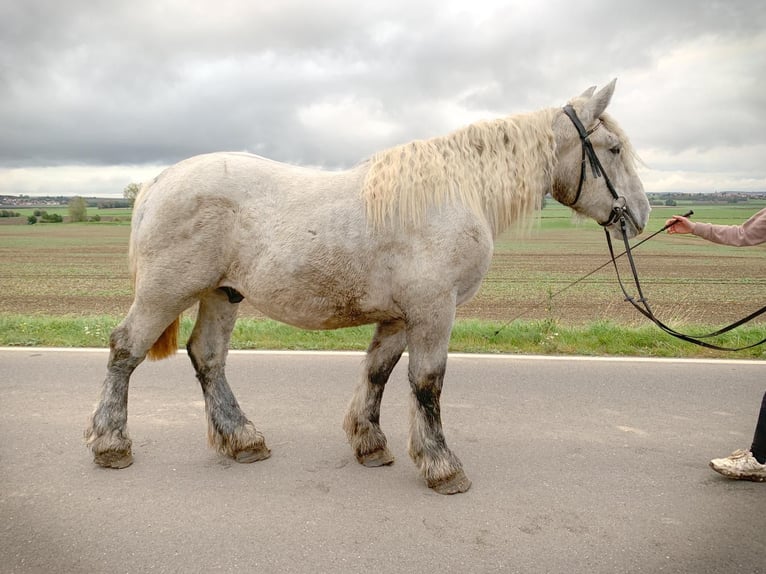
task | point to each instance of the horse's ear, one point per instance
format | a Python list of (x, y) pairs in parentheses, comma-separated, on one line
[(588, 93), (599, 102)]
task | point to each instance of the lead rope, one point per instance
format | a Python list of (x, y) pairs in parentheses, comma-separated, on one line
[(646, 312), (576, 281), (642, 304)]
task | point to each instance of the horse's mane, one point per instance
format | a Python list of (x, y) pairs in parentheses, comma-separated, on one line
[(497, 168)]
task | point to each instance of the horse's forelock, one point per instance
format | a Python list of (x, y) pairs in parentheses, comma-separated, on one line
[(628, 152)]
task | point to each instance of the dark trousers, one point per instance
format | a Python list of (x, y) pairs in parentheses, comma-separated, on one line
[(759, 438)]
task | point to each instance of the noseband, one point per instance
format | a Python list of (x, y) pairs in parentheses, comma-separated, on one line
[(620, 209)]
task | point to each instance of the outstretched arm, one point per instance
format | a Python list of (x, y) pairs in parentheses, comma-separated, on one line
[(752, 232)]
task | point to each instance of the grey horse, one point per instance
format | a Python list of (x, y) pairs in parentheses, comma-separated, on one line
[(400, 241)]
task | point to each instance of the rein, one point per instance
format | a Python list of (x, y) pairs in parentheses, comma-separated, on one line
[(619, 214), (642, 304)]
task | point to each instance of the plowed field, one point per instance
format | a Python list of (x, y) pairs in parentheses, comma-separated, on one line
[(81, 269)]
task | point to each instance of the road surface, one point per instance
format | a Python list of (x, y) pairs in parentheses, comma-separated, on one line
[(596, 466)]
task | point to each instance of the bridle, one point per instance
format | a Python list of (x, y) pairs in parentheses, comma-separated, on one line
[(619, 215), (620, 209)]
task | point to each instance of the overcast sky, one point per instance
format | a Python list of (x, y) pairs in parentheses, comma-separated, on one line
[(96, 94)]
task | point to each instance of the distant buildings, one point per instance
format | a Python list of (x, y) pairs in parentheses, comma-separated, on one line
[(7, 201)]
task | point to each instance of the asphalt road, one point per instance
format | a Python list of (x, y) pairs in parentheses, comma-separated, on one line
[(596, 466)]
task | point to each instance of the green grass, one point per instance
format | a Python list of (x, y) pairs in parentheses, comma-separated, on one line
[(546, 337)]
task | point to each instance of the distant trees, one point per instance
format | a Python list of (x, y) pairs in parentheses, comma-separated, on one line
[(44, 216), (131, 192), (78, 209), (113, 203), (51, 217)]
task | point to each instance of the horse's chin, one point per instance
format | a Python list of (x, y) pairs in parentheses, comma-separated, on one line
[(615, 230)]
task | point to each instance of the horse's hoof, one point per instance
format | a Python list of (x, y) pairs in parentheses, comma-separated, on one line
[(381, 457), (455, 484), (114, 459), (253, 455)]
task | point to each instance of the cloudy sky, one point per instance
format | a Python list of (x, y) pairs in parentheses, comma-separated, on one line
[(97, 94)]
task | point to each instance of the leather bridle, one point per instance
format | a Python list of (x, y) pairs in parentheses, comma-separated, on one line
[(620, 208)]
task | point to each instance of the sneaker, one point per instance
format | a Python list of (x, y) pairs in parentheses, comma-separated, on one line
[(740, 465)]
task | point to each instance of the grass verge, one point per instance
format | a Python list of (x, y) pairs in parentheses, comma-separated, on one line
[(546, 337)]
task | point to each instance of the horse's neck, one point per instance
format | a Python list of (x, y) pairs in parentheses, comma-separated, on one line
[(523, 168)]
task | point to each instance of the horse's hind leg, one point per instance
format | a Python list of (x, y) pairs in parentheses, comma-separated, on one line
[(428, 341), (107, 434), (362, 422), (229, 430)]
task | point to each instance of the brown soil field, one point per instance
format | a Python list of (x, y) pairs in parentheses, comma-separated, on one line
[(81, 269)]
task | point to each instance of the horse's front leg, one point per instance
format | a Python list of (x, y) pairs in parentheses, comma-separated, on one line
[(428, 342), (229, 430), (362, 421)]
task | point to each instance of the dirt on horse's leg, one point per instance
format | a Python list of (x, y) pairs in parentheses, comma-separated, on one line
[(229, 430), (107, 434), (362, 421), (428, 342)]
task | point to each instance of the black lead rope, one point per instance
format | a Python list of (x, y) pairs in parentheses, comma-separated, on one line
[(642, 304), (581, 279)]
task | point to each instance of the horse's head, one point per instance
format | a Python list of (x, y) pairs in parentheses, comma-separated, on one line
[(595, 171)]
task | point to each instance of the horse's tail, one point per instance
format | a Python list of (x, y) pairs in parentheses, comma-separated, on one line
[(167, 344)]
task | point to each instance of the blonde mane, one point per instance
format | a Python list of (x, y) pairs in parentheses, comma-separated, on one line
[(499, 169)]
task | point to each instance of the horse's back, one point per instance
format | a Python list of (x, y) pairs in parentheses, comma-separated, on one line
[(235, 175), (224, 214), (226, 186)]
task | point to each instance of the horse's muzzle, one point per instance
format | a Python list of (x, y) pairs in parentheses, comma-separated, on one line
[(622, 221)]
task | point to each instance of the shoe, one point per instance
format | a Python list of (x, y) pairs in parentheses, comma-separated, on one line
[(740, 465)]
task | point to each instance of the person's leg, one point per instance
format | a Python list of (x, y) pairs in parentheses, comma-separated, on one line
[(759, 438), (743, 464)]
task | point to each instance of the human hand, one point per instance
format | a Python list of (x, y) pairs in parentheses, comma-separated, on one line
[(679, 224)]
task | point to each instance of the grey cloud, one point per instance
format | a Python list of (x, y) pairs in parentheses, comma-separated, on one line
[(106, 83)]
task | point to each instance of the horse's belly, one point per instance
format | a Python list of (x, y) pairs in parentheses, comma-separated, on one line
[(309, 309), (318, 318)]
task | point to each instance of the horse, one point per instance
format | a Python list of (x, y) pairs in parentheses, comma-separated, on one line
[(399, 240)]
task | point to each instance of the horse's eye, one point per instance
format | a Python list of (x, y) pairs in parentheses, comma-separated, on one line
[(615, 150)]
